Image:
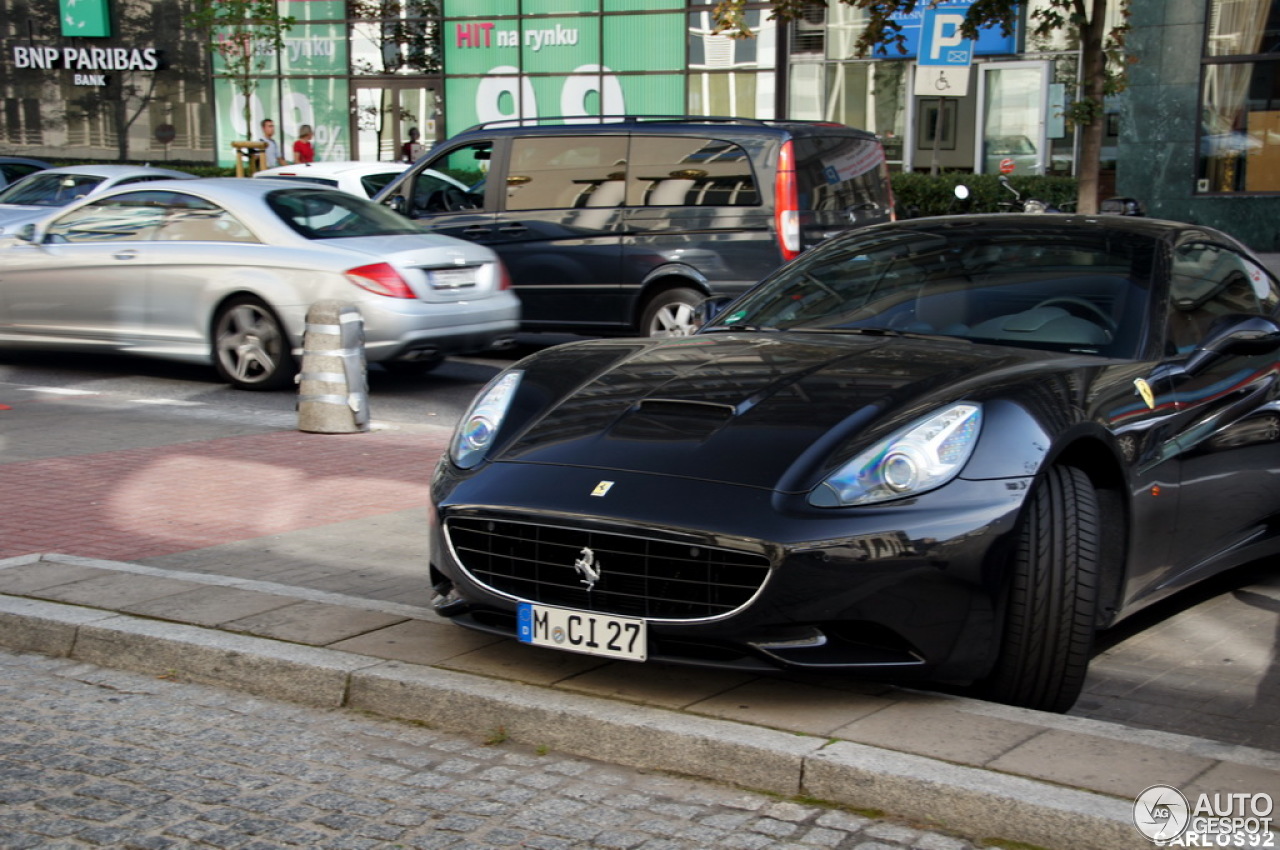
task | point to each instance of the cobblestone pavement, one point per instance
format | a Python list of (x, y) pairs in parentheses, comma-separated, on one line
[(102, 758)]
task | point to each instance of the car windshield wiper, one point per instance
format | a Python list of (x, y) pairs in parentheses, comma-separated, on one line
[(731, 328), (865, 331), (875, 332)]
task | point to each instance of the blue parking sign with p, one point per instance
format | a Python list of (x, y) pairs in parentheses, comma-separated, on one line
[(940, 40)]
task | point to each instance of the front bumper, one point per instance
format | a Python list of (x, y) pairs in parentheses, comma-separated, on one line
[(896, 591)]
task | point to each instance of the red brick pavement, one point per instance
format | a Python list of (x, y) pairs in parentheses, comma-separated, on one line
[(148, 502)]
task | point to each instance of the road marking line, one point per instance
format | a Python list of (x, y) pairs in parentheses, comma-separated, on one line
[(174, 401), (59, 391)]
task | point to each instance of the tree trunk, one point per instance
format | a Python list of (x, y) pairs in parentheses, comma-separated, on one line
[(122, 127), (1093, 84)]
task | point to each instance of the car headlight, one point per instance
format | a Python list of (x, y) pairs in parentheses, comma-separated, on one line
[(920, 457), (479, 427)]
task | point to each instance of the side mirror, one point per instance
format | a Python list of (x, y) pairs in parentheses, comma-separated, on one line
[(399, 204), (709, 309), (1235, 335), (26, 233)]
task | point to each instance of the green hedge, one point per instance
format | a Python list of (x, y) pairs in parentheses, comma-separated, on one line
[(931, 195), (199, 169)]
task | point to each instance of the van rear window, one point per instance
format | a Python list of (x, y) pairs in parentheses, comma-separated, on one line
[(840, 172)]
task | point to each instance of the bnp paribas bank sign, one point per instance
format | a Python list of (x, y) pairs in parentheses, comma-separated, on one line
[(86, 19)]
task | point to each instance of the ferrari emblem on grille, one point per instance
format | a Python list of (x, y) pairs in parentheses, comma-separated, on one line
[(588, 567), (602, 488)]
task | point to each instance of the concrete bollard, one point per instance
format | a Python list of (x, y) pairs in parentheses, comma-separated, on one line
[(333, 388)]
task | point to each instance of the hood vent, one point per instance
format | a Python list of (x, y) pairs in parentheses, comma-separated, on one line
[(673, 419)]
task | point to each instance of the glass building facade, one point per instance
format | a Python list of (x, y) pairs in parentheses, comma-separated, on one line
[(132, 80)]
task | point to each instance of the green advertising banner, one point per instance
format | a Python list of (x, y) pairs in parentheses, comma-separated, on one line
[(263, 103), (474, 100), (312, 87), (480, 8), (561, 64), (322, 103), (315, 49), (314, 10), (644, 42), (495, 8)]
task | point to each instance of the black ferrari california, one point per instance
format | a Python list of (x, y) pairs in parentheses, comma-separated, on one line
[(948, 449)]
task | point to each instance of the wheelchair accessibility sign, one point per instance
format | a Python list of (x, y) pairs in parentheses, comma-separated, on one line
[(942, 68)]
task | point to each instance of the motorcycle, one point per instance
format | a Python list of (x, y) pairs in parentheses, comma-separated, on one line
[(1030, 205), (1111, 206)]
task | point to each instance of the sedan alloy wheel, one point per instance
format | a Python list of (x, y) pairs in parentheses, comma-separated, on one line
[(250, 347)]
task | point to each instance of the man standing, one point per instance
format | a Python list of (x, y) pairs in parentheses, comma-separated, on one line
[(272, 153)]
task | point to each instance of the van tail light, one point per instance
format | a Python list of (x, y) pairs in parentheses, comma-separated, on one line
[(786, 200), (380, 279)]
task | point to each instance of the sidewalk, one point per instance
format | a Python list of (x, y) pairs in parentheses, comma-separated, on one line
[(232, 550), (974, 768)]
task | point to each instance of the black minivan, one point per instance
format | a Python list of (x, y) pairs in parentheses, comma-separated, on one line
[(626, 224)]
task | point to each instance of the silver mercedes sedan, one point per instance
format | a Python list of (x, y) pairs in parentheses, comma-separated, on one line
[(223, 271)]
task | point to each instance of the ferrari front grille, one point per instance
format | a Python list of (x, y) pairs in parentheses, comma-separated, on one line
[(608, 572)]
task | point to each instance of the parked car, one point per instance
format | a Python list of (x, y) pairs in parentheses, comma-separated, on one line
[(40, 193), (224, 270), (947, 449), (1017, 149), (14, 168), (364, 179), (626, 225)]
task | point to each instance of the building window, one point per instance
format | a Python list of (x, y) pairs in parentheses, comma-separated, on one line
[(1239, 143), (731, 76)]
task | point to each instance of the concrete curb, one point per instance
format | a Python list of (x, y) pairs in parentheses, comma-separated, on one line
[(971, 801)]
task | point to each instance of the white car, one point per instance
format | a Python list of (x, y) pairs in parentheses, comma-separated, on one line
[(223, 271), (37, 195), (364, 179)]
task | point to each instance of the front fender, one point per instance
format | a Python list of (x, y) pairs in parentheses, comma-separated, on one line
[(1014, 443)]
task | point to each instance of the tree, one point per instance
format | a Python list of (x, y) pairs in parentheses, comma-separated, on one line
[(1102, 60), (247, 34)]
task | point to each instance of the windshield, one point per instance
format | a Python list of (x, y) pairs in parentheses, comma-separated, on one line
[(1082, 290), (49, 190), (328, 214)]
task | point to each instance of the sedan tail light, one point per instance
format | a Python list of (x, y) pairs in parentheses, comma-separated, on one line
[(504, 277), (380, 279)]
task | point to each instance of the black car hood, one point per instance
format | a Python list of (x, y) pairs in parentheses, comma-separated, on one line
[(747, 408)]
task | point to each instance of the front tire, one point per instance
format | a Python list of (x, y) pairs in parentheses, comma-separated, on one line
[(250, 349), (1051, 596), (670, 313)]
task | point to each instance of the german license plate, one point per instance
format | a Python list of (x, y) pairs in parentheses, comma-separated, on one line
[(583, 631), (462, 278)]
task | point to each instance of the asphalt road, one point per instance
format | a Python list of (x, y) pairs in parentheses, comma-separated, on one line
[(1206, 663)]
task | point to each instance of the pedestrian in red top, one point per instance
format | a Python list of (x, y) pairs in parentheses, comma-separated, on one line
[(302, 150)]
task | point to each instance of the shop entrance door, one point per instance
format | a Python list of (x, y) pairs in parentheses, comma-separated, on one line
[(385, 112), (1013, 100)]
